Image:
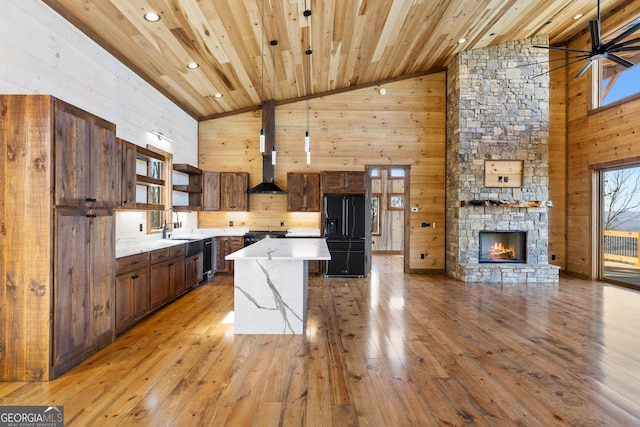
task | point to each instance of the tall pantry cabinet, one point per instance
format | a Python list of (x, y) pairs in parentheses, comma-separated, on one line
[(59, 190)]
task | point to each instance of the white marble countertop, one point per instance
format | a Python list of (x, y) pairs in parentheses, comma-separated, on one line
[(284, 249), (137, 245)]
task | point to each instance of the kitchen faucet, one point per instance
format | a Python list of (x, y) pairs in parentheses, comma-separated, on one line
[(164, 217)]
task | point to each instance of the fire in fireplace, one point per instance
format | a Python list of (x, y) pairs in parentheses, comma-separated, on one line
[(503, 246)]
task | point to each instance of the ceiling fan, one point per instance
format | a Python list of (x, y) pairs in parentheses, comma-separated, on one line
[(610, 50)]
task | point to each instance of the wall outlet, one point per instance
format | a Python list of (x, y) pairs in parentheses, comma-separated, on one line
[(421, 256), (141, 229), (230, 223), (553, 257), (281, 223), (414, 209)]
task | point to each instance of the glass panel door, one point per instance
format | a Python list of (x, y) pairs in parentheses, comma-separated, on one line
[(620, 225)]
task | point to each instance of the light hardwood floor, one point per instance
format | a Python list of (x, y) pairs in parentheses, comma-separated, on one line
[(389, 350)]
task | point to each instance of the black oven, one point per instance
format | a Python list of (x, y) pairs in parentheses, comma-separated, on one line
[(254, 236)]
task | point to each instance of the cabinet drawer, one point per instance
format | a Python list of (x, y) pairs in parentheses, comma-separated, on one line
[(176, 251), (236, 241), (159, 255), (131, 263)]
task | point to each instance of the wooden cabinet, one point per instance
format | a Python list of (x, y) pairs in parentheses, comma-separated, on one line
[(86, 159), (210, 191), (303, 192), (132, 290), (61, 277), (193, 270), (225, 246), (146, 281), (84, 283), (233, 191), (177, 271), (128, 174), (222, 249), (344, 182), (159, 277)]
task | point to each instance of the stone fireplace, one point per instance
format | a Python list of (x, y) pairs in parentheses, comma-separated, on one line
[(497, 111)]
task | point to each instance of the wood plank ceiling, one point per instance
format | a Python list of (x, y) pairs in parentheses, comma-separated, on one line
[(354, 42)]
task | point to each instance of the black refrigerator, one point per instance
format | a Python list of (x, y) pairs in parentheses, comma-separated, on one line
[(345, 232)]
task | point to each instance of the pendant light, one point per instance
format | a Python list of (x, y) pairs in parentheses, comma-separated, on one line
[(262, 141), (308, 52), (274, 43)]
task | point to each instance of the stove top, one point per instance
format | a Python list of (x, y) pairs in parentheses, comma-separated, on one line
[(255, 235)]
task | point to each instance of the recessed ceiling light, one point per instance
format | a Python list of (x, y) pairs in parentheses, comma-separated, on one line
[(192, 65), (217, 95), (152, 17), (578, 16), (462, 40)]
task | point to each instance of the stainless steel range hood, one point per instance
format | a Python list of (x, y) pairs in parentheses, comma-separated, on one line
[(267, 186)]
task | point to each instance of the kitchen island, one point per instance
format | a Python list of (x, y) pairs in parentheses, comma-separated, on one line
[(270, 284)]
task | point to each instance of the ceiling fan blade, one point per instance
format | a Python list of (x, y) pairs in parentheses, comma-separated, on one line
[(594, 29), (615, 48), (625, 49), (578, 57), (584, 69), (565, 49), (619, 60), (575, 61), (622, 36)]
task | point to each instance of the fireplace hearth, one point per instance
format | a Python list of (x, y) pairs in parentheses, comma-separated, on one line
[(503, 247)]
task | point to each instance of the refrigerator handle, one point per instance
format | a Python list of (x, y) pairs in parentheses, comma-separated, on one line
[(345, 217)]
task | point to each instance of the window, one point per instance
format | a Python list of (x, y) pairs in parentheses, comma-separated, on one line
[(396, 202), (613, 82), (375, 214)]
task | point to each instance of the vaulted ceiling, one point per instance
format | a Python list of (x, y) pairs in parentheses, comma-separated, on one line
[(354, 43)]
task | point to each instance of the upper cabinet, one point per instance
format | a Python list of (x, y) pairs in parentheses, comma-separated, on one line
[(210, 191), (233, 191), (128, 179), (303, 192), (348, 182), (86, 158)]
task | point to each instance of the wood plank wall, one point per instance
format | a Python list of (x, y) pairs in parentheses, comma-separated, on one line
[(348, 131), (26, 242), (595, 138), (557, 159)]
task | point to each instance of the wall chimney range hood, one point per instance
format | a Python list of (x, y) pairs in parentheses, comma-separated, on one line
[(267, 186)]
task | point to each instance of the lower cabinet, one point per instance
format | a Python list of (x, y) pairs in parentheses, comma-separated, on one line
[(147, 281), (194, 270), (225, 246), (132, 290), (132, 297), (159, 274), (177, 271)]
